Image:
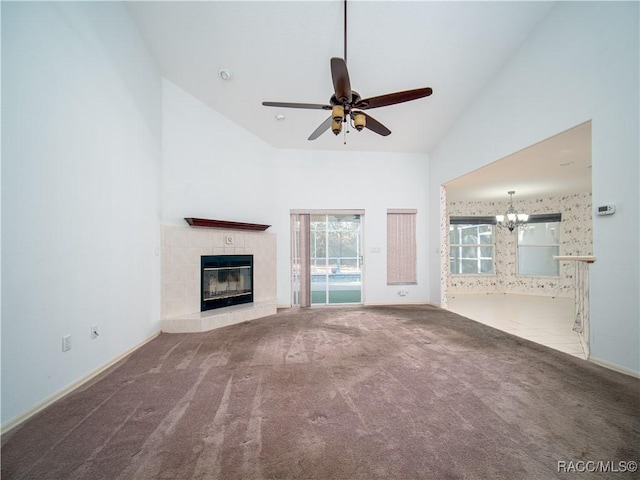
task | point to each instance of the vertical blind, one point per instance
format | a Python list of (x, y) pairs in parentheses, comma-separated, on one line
[(401, 246), (305, 260)]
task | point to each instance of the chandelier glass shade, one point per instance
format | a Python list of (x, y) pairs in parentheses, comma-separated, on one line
[(511, 218)]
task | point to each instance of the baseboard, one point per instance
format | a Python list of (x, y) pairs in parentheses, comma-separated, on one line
[(366, 304), (613, 366), (392, 304), (6, 427)]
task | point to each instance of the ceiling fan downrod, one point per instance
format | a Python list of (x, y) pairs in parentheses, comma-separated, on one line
[(345, 31)]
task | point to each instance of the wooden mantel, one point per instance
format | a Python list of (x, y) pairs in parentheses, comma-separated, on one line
[(203, 222)]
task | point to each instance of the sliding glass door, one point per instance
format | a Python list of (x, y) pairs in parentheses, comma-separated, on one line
[(335, 259), (326, 257)]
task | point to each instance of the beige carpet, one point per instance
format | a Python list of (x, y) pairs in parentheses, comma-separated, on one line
[(410, 392)]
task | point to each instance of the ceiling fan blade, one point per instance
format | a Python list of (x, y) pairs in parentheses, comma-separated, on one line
[(393, 98), (341, 83), (321, 129), (311, 106), (375, 126)]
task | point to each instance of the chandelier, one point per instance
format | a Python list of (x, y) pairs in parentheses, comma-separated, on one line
[(511, 218)]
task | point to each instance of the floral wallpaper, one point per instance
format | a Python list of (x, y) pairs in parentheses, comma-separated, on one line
[(575, 239), (444, 249)]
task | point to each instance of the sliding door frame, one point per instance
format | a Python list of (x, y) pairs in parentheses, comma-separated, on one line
[(301, 253)]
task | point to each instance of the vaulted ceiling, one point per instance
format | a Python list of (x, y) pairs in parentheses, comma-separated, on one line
[(281, 51)]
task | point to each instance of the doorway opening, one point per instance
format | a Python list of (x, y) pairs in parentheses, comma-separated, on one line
[(551, 177)]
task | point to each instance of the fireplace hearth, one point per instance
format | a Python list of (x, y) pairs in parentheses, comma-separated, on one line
[(226, 280)]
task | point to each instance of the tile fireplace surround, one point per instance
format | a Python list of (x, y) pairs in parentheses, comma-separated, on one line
[(182, 248)]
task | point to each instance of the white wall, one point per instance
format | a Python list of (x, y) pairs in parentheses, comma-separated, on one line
[(80, 182), (580, 64), (355, 180), (212, 168)]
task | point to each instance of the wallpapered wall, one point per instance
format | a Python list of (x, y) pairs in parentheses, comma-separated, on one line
[(575, 239)]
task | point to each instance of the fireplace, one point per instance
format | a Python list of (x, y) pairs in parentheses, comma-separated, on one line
[(226, 280)]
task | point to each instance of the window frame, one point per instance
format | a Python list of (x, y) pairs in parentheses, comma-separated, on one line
[(476, 222), (553, 218)]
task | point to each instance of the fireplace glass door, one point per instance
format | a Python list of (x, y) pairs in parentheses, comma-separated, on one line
[(226, 280)]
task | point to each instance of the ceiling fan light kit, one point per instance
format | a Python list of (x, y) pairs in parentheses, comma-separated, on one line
[(336, 126), (346, 104), (337, 113)]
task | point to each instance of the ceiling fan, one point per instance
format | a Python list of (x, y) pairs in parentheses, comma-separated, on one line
[(347, 105)]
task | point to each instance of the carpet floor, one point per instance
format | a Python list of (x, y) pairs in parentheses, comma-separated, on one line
[(406, 392)]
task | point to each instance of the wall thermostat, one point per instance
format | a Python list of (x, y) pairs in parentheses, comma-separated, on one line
[(606, 210)]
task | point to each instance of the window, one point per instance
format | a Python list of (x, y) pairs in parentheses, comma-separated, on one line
[(538, 242), (471, 245), (401, 247)]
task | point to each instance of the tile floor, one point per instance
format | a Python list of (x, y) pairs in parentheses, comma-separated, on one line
[(544, 320)]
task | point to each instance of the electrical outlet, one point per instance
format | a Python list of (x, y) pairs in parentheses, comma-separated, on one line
[(66, 343), (94, 332)]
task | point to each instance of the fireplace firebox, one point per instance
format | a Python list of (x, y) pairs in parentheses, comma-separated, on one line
[(226, 280)]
